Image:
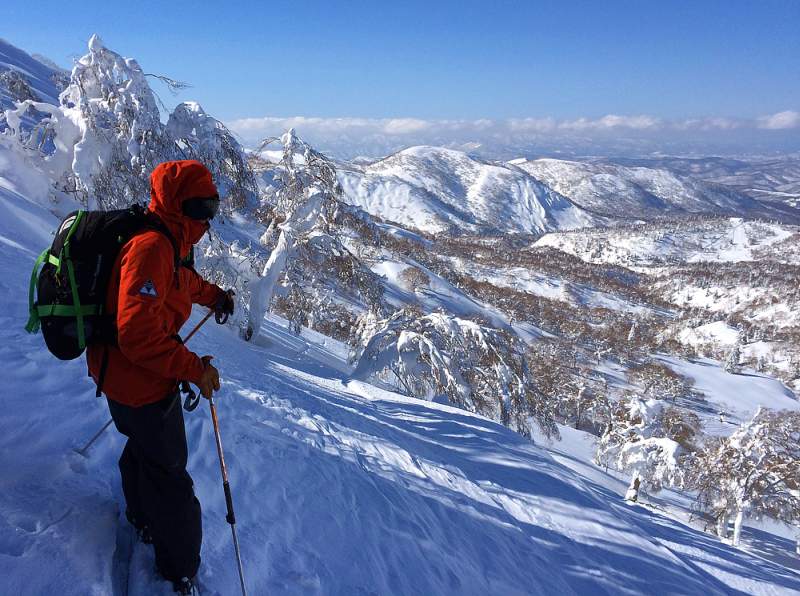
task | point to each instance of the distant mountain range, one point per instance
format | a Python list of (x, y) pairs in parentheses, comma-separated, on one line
[(640, 192), (438, 189), (774, 179), (435, 189)]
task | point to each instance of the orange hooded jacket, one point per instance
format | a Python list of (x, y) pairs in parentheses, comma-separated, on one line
[(151, 300)]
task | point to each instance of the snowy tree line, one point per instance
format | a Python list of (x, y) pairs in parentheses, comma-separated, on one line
[(758, 298), (753, 473)]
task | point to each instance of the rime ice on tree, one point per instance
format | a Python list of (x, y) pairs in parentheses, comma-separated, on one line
[(753, 473), (471, 366)]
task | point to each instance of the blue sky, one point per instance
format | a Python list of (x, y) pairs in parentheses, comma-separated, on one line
[(435, 61)]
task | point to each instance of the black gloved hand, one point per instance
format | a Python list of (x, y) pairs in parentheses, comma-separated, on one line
[(224, 306)]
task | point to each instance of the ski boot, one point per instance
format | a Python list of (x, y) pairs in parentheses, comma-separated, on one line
[(185, 586)]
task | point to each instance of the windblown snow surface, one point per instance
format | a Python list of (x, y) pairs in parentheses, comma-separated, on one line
[(339, 487)]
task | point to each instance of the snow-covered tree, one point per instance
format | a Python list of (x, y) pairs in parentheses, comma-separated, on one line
[(466, 364), (309, 257), (755, 472), (582, 404), (650, 441), (581, 401), (234, 264), (414, 278), (101, 143), (106, 136), (122, 137), (107, 130), (564, 380), (17, 85), (732, 361), (632, 332), (599, 410), (659, 381), (204, 138)]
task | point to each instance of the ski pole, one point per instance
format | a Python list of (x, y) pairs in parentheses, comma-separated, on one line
[(230, 518), (107, 424), (83, 450), (197, 327)]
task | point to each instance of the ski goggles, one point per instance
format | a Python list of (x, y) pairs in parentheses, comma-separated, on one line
[(201, 208)]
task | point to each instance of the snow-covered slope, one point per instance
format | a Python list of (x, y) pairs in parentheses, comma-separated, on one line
[(435, 189), (724, 240), (774, 179), (734, 281), (44, 80), (640, 192), (525, 279), (342, 487), (339, 487)]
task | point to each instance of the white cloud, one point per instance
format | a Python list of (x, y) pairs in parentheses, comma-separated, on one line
[(401, 126), (271, 124), (379, 136), (532, 125), (612, 121), (780, 121), (709, 124), (415, 126)]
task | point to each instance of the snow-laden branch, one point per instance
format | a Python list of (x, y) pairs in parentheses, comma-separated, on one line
[(444, 358)]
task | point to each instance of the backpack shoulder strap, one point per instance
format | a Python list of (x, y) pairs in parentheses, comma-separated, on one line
[(153, 222)]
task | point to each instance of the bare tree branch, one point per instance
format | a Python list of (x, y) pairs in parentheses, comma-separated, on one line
[(173, 85)]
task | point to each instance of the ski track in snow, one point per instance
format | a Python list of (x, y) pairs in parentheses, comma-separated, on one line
[(339, 487)]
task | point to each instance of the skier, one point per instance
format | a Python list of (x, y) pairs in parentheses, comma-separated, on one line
[(151, 296)]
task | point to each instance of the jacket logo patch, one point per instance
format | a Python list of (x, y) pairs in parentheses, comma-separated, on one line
[(148, 289)]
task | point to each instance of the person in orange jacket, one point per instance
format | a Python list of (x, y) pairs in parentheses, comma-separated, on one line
[(151, 295)]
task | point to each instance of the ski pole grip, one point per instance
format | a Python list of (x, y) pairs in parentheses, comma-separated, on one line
[(231, 519)]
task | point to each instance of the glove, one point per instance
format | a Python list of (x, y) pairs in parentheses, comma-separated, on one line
[(224, 306), (209, 382)]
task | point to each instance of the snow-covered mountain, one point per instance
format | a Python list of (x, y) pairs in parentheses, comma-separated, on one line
[(352, 471), (773, 179), (630, 193), (647, 245), (435, 189), (340, 487)]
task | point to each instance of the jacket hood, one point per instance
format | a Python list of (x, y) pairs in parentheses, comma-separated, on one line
[(171, 183)]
